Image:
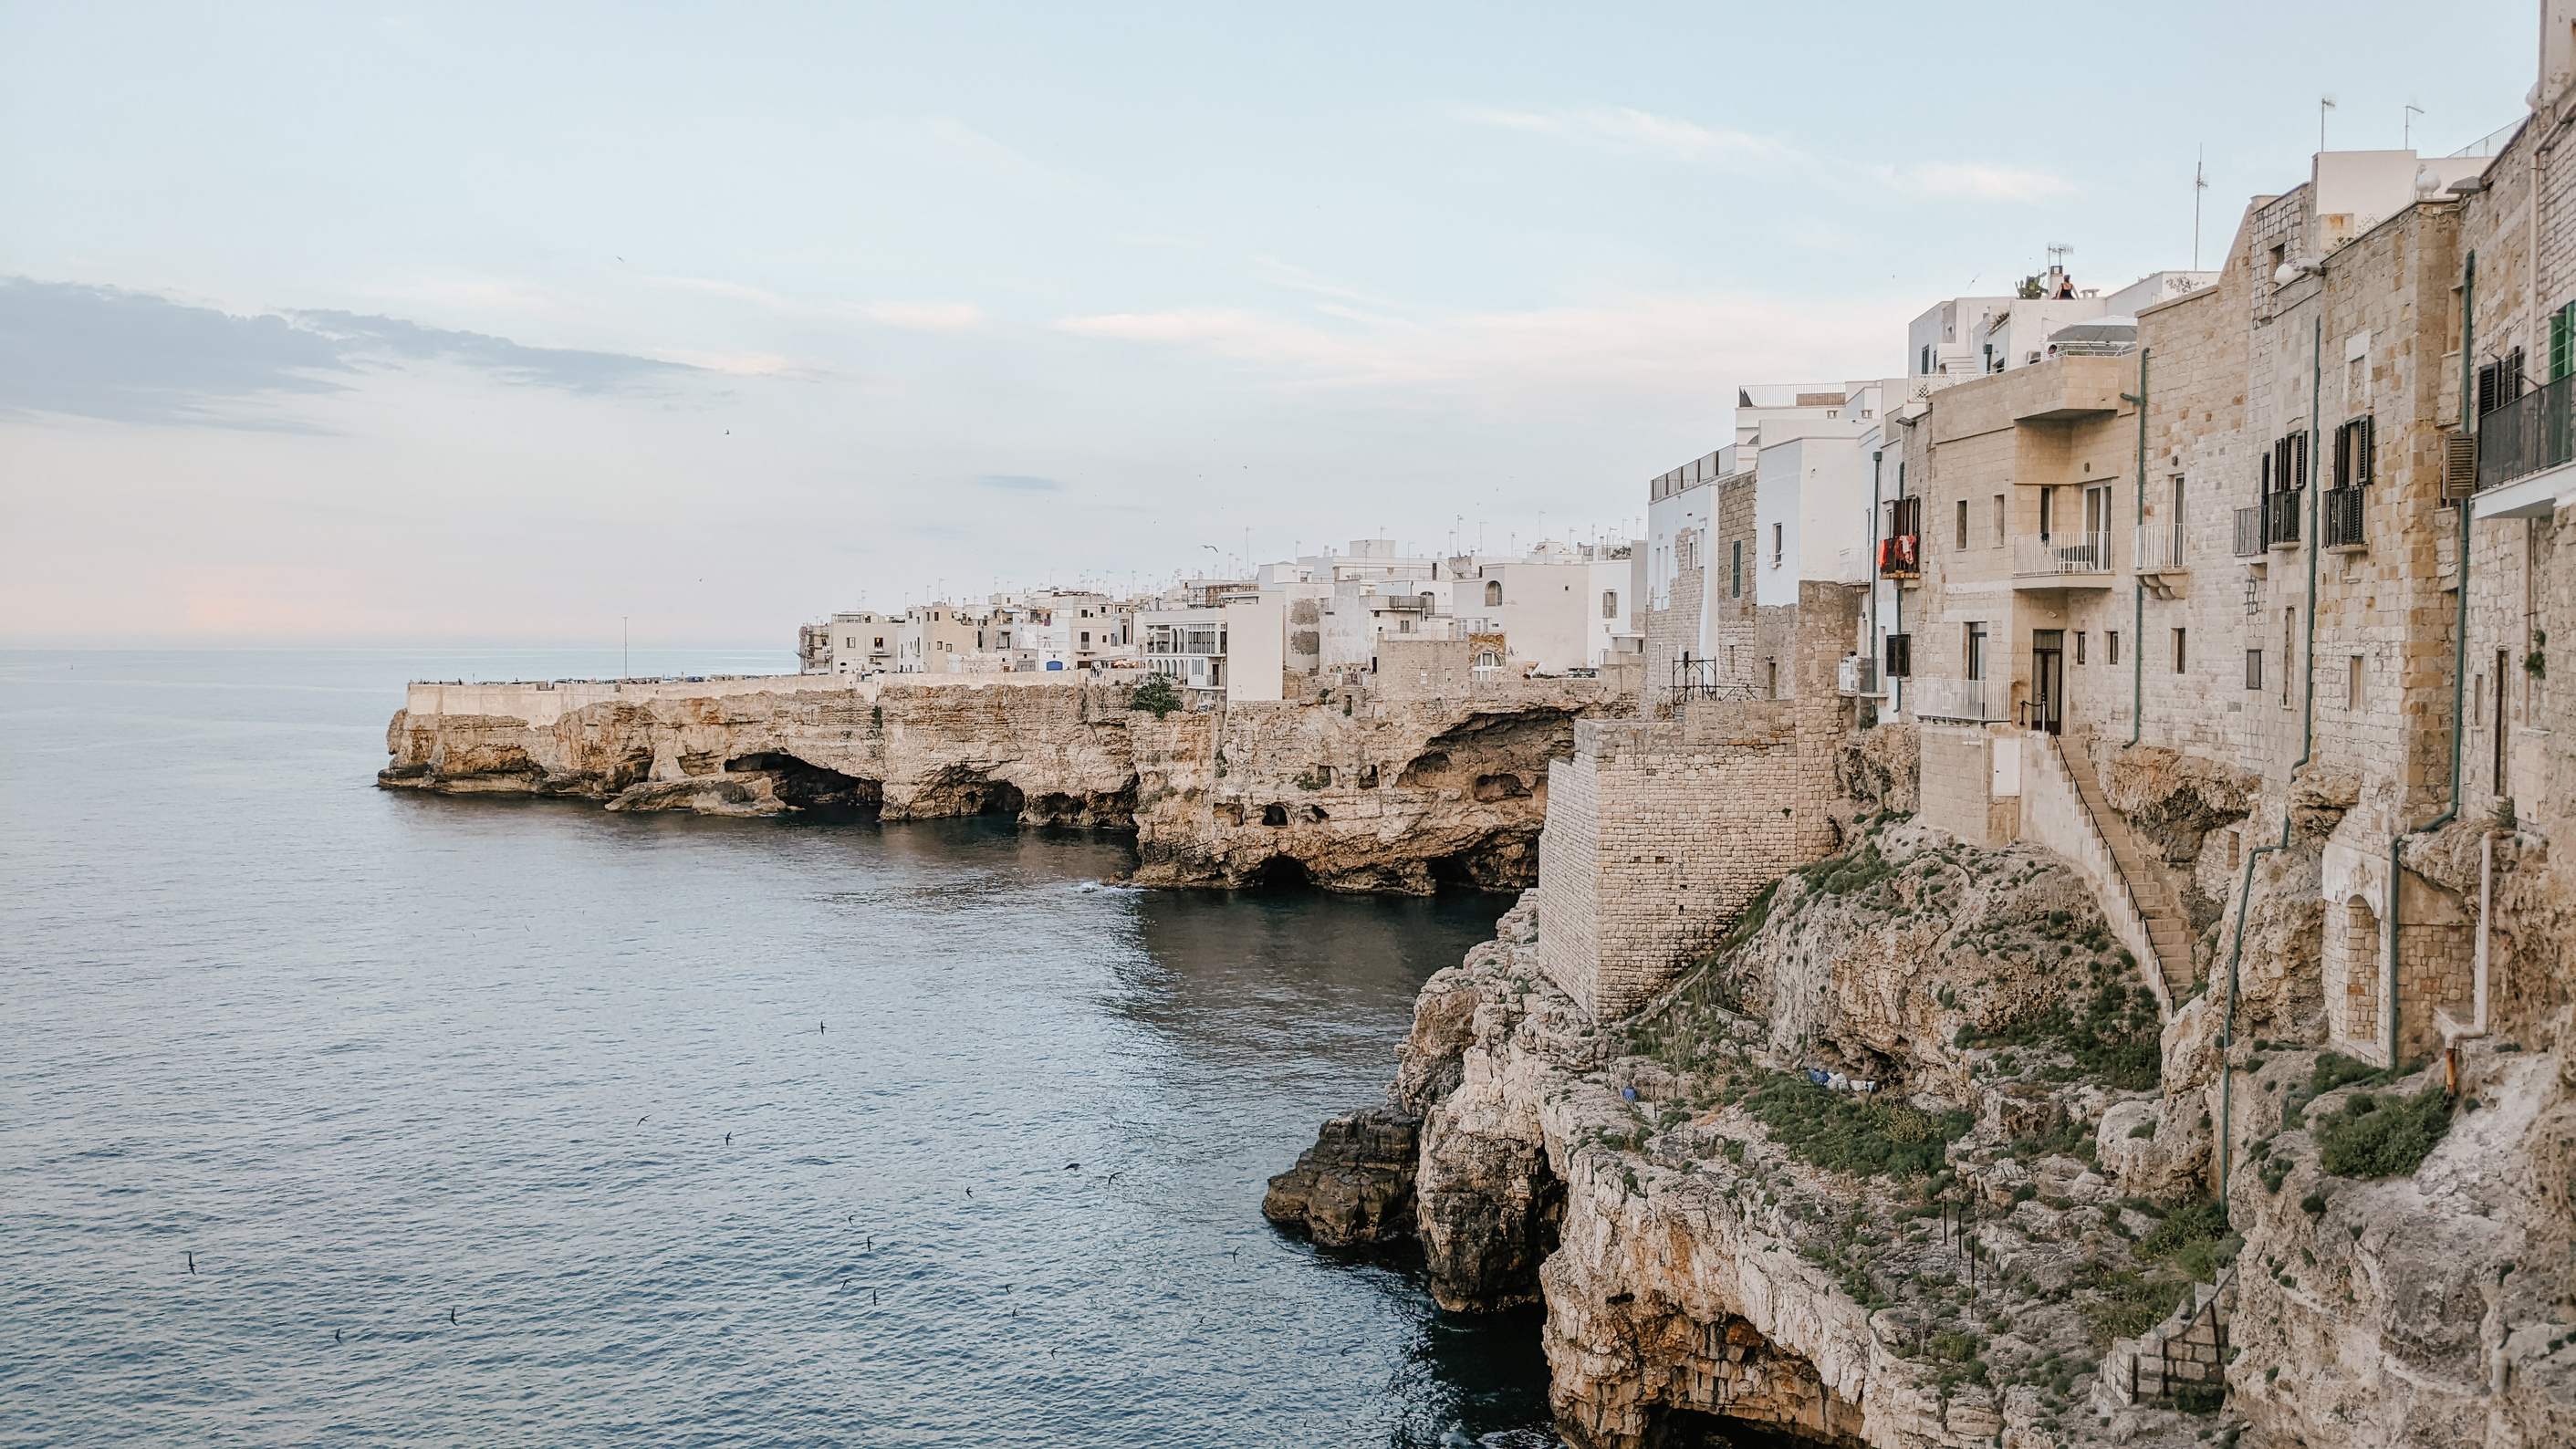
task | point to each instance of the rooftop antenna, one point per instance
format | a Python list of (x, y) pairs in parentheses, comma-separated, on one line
[(2324, 104), (2057, 255), (2406, 125), (2199, 184)]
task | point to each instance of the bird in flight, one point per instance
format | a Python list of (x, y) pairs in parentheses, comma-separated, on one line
[(647, 1117)]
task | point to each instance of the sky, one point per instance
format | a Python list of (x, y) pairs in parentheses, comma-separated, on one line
[(364, 324)]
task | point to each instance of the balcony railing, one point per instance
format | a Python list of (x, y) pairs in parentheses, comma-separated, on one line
[(2281, 517), (2249, 532), (2064, 553), (1900, 557), (2344, 513), (1707, 679), (2527, 435), (1956, 699), (2160, 548)]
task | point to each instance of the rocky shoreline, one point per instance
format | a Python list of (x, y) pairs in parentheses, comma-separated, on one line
[(1348, 790), (1976, 1252)]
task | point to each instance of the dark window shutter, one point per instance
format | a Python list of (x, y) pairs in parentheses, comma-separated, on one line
[(2366, 454), (2299, 460), (2343, 456), (2487, 382)]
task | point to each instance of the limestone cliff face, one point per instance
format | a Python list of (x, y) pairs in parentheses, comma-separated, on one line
[(1962, 1258), (1351, 791), (1693, 1272)]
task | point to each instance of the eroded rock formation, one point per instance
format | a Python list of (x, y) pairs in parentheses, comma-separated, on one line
[(1345, 790)]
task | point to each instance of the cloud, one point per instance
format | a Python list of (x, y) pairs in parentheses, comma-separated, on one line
[(1976, 181), (925, 316), (1020, 483), (1627, 129), (101, 352), (1653, 350)]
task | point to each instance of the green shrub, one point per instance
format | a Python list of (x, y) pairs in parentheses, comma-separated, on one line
[(2118, 1037), (2193, 1239), (2370, 1138), (1156, 697), (1844, 1133)]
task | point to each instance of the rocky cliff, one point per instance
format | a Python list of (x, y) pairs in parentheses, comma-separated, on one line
[(1348, 790), (1973, 1253)]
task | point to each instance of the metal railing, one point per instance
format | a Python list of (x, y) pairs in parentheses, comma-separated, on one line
[(2160, 548), (1957, 699), (1707, 679), (2281, 516), (2249, 532), (2343, 517), (1900, 556), (2064, 553), (2527, 435)]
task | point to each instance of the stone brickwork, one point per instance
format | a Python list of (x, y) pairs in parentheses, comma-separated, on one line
[(2187, 1350), (1658, 834)]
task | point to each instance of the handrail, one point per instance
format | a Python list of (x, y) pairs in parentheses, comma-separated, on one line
[(2528, 435)]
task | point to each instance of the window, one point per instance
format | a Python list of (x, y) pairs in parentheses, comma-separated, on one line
[(1493, 592), (849, 643), (1735, 590), (1999, 521), (1976, 651), (1771, 679), (2562, 342), (2111, 643), (1777, 533), (2352, 454), (1900, 656), (1963, 523), (2079, 646), (2352, 684), (2181, 656), (1609, 603), (2253, 669)]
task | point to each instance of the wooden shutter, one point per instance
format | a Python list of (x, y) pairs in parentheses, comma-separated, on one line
[(2459, 465), (2365, 451), (2343, 456)]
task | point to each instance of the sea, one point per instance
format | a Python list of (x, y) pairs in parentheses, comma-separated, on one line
[(338, 1115)]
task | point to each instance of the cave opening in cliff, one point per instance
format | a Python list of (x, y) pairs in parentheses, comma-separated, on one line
[(812, 787), (1700, 1429), (1001, 797), (1280, 871)]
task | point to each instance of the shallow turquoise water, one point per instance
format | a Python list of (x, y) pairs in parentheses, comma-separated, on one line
[(437, 1093)]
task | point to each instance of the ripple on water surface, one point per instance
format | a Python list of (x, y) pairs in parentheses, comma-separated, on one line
[(437, 1093)]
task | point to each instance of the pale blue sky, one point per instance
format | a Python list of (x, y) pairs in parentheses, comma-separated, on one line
[(411, 322)]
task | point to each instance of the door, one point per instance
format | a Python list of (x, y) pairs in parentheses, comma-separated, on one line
[(2047, 680)]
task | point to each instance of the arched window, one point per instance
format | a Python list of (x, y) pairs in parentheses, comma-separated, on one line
[(1493, 592), (1609, 603)]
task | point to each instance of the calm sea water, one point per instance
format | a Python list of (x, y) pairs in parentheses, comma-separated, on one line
[(437, 1093)]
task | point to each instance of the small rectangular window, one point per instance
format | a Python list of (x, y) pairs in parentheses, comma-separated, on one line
[(2181, 656), (1778, 531), (2352, 684), (1963, 523), (2253, 669), (2111, 642), (1999, 521), (2079, 646), (1736, 588), (1976, 651)]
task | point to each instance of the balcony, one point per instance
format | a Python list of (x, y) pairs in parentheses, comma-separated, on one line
[(1901, 557), (2281, 517), (2063, 561), (2341, 527), (2159, 549), (2249, 532), (1964, 700), (1706, 679), (2528, 435)]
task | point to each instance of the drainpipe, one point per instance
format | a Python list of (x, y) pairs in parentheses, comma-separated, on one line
[(1870, 640), (2138, 630), (2307, 747), (2459, 659)]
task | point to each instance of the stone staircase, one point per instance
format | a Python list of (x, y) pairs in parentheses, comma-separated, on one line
[(2187, 1351), (2152, 888)]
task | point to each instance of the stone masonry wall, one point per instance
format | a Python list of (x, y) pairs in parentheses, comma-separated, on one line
[(1658, 835)]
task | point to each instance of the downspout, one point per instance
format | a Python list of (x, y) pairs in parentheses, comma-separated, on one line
[(2307, 747), (2459, 659), (1869, 642), (2138, 630)]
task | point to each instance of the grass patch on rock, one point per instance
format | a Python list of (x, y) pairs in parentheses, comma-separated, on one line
[(2118, 1038), (2382, 1136), (1866, 1136)]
